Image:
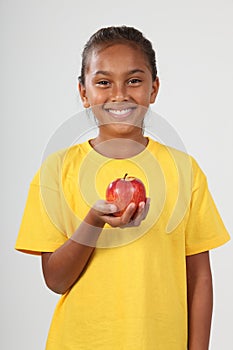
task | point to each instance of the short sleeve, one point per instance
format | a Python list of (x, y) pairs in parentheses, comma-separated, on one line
[(205, 229), (40, 229)]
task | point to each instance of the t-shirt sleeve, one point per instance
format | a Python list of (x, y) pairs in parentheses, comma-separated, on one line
[(41, 226), (205, 229)]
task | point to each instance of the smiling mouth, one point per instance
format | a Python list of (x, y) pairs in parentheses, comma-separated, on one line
[(120, 113)]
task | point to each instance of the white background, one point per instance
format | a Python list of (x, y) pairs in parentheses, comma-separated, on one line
[(41, 44)]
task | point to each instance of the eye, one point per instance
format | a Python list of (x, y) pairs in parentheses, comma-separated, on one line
[(103, 83), (134, 81)]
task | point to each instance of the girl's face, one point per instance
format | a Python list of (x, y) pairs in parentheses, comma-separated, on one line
[(118, 85)]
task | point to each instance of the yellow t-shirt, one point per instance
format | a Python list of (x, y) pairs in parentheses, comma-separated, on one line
[(132, 295)]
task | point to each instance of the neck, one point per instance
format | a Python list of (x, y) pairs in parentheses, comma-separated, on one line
[(119, 148)]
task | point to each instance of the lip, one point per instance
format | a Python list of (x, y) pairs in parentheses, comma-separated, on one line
[(120, 112)]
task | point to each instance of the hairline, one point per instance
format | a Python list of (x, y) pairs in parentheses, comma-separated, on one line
[(96, 48)]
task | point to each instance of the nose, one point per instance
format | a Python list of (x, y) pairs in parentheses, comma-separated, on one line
[(119, 93)]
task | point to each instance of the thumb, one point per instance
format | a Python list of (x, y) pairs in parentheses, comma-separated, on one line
[(105, 207)]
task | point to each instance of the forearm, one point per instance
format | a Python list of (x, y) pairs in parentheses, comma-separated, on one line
[(200, 304), (63, 267)]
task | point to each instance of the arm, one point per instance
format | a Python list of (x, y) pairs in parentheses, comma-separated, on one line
[(63, 267), (200, 300)]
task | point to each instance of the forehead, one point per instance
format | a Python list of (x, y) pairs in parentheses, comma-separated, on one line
[(117, 56)]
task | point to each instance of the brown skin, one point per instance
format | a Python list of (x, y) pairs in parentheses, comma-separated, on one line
[(200, 301), (114, 80), (109, 81), (63, 267)]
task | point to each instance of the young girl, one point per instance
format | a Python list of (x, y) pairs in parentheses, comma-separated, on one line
[(142, 280)]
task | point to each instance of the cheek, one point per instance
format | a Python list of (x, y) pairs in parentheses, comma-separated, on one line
[(96, 97), (143, 97)]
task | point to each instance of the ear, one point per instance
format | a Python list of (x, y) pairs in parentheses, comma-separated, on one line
[(155, 89), (82, 93)]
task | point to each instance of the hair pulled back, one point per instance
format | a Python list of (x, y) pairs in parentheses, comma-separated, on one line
[(122, 34)]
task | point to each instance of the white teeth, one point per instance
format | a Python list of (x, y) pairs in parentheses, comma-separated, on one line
[(119, 111)]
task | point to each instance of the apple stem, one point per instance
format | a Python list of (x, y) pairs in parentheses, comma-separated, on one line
[(125, 176)]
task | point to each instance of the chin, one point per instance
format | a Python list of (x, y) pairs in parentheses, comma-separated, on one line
[(122, 129)]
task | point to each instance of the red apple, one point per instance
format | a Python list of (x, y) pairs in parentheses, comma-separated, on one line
[(124, 191)]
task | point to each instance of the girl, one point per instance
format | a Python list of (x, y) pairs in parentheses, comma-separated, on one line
[(141, 280)]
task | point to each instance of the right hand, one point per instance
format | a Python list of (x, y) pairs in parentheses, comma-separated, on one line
[(102, 212)]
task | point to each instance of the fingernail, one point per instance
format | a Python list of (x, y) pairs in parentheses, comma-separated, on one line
[(112, 208)]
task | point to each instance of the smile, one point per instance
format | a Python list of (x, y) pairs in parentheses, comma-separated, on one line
[(120, 113)]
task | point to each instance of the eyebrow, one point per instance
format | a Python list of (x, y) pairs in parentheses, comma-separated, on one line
[(104, 72)]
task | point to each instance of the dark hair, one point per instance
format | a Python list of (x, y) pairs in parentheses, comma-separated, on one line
[(122, 34)]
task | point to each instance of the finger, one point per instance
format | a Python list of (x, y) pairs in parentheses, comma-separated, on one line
[(146, 208), (112, 220), (140, 210), (119, 221), (128, 214), (139, 214), (130, 217), (105, 207)]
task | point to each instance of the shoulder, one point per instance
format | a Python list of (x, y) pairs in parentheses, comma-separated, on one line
[(184, 163), (164, 151), (54, 164), (68, 154), (65, 153)]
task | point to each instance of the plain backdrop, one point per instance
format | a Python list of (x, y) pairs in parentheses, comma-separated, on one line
[(41, 44)]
